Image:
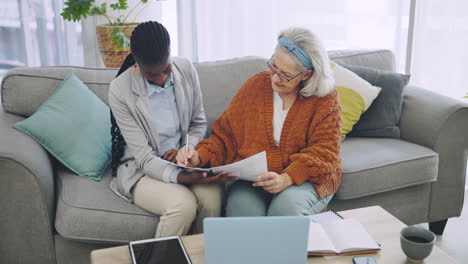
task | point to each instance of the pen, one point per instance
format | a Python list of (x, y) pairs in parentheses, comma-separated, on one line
[(186, 148)]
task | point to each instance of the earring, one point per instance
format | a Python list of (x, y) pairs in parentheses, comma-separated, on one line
[(135, 69)]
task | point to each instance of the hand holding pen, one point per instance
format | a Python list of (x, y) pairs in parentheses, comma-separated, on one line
[(186, 149), (187, 157)]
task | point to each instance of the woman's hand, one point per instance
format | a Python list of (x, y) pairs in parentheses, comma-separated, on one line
[(273, 182), (188, 155), (170, 155), (202, 177)]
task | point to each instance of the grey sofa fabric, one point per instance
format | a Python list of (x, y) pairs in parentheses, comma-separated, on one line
[(90, 211), (407, 203), (375, 165), (441, 124), (25, 225), (37, 84), (219, 82), (75, 252), (27, 202), (22, 149), (379, 59), (403, 176)]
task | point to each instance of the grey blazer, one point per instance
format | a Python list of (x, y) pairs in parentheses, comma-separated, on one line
[(128, 99)]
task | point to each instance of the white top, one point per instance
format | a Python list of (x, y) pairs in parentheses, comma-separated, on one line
[(279, 115), (165, 114)]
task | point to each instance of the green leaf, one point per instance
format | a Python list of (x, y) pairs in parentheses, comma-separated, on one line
[(144, 1), (120, 39), (76, 9), (99, 10), (119, 22), (121, 5)]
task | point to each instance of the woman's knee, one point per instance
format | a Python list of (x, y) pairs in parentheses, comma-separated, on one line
[(209, 198), (245, 200), (298, 200), (286, 205), (187, 204), (183, 204)]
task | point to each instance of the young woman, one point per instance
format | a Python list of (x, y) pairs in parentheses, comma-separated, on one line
[(156, 106)]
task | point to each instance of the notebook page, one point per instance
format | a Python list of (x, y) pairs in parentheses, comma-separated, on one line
[(349, 235), (318, 240), (324, 217)]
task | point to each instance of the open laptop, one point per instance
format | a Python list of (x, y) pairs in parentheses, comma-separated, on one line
[(272, 239)]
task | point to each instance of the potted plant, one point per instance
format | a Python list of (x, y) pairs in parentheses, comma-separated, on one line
[(113, 37)]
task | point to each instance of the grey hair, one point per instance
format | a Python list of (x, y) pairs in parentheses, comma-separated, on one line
[(322, 82)]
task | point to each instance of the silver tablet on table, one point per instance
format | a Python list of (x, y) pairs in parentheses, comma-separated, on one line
[(159, 250)]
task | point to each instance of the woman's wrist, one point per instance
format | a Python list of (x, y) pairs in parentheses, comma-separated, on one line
[(288, 179)]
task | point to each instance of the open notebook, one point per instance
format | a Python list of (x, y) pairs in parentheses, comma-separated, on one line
[(340, 237), (325, 217)]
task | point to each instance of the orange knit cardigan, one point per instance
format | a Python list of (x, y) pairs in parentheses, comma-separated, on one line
[(310, 139)]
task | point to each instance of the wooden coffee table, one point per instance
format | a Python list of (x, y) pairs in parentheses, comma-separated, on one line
[(383, 226)]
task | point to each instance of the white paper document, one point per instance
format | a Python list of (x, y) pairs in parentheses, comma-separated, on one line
[(247, 169)]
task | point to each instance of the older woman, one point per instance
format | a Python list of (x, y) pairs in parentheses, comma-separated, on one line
[(292, 111)]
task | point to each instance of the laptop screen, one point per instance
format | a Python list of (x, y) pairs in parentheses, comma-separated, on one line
[(272, 239)]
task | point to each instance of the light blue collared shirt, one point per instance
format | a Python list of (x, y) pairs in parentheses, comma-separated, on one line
[(163, 105)]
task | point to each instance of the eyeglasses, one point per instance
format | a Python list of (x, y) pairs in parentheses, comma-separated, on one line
[(282, 77)]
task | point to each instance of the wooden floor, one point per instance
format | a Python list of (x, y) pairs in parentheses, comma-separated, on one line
[(454, 241)]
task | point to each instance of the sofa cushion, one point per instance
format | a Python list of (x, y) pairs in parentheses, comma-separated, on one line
[(220, 80), (356, 95), (73, 125), (375, 165), (383, 116), (25, 89), (89, 211), (378, 59)]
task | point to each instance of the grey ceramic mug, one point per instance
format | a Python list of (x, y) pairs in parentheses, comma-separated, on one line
[(416, 243)]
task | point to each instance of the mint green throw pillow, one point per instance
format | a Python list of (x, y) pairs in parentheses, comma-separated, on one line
[(73, 124)]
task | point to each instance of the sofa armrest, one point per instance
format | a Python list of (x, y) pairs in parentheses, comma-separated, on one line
[(26, 197), (441, 124)]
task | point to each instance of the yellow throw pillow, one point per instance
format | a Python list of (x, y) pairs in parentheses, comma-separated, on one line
[(356, 95)]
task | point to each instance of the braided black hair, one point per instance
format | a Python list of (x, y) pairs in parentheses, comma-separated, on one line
[(150, 44)]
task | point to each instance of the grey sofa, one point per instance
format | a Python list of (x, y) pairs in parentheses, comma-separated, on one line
[(50, 215)]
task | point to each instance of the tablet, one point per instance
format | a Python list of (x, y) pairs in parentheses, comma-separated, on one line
[(159, 250)]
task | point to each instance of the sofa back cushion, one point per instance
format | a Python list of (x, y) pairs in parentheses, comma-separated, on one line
[(219, 82), (378, 59), (383, 116), (25, 89)]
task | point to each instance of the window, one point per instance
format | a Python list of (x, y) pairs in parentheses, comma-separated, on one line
[(228, 29), (34, 34)]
